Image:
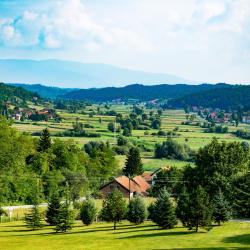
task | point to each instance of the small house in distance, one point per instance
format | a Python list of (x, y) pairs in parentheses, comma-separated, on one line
[(129, 187)]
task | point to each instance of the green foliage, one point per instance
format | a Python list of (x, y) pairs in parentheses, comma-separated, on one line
[(111, 127), (33, 219), (241, 191), (53, 209), (88, 212), (167, 178), (136, 210), (114, 207), (133, 164), (162, 212), (3, 212), (221, 209), (45, 141), (65, 218), (195, 210), (173, 150)]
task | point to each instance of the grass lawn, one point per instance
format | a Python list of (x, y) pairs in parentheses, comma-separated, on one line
[(233, 235)]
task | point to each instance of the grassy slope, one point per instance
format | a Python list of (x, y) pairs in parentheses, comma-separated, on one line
[(147, 236)]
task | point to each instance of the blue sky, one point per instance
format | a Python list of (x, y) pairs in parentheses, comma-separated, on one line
[(202, 40)]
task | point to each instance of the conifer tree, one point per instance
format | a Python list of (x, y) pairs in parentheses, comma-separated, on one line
[(221, 208), (88, 212), (45, 140), (64, 219), (163, 212), (136, 210), (33, 219), (183, 209), (53, 210), (200, 213), (133, 164), (114, 207)]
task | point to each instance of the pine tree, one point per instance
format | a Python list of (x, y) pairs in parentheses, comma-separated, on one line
[(163, 212), (88, 212), (221, 208), (136, 210), (53, 210), (33, 219), (45, 140), (114, 207), (64, 219), (183, 209), (133, 163), (200, 213)]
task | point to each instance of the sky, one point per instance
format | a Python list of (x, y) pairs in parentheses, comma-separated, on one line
[(200, 40)]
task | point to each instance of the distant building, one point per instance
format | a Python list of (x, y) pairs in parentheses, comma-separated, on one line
[(246, 119), (129, 187)]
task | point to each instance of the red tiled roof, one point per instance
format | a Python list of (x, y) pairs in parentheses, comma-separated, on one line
[(144, 186), (124, 181)]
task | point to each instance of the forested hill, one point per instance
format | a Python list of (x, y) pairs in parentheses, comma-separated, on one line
[(44, 91), (12, 94), (139, 92), (230, 97)]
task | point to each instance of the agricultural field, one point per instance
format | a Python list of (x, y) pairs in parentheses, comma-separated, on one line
[(232, 235), (193, 136)]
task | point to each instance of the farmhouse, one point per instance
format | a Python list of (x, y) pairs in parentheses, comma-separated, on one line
[(128, 186)]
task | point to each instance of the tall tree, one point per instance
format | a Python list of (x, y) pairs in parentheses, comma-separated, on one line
[(88, 212), (64, 219), (53, 209), (200, 210), (114, 207), (221, 208), (136, 210), (33, 219), (45, 140), (133, 164), (163, 212)]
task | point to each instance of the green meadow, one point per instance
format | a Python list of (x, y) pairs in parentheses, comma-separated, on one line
[(232, 235)]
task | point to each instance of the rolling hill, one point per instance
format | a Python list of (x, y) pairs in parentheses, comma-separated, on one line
[(230, 97), (139, 92)]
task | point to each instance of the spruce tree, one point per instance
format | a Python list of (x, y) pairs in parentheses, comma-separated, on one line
[(133, 164), (53, 210), (64, 219), (114, 207), (183, 209), (200, 213), (33, 219), (163, 212), (88, 212), (45, 140), (221, 208), (136, 210)]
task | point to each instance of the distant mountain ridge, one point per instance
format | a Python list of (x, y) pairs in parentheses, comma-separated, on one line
[(140, 92), (80, 75)]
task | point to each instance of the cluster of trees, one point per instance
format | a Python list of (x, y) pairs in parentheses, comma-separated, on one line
[(28, 164), (217, 129), (171, 149), (242, 134), (138, 119)]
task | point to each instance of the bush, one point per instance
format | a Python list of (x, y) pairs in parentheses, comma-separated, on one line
[(88, 212), (136, 210)]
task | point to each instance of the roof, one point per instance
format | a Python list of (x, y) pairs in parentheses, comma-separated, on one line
[(129, 185), (137, 184), (147, 176), (144, 186)]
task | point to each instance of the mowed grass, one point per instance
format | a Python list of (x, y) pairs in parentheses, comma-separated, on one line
[(232, 235)]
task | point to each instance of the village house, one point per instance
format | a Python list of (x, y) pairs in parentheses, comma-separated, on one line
[(128, 186), (246, 119)]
